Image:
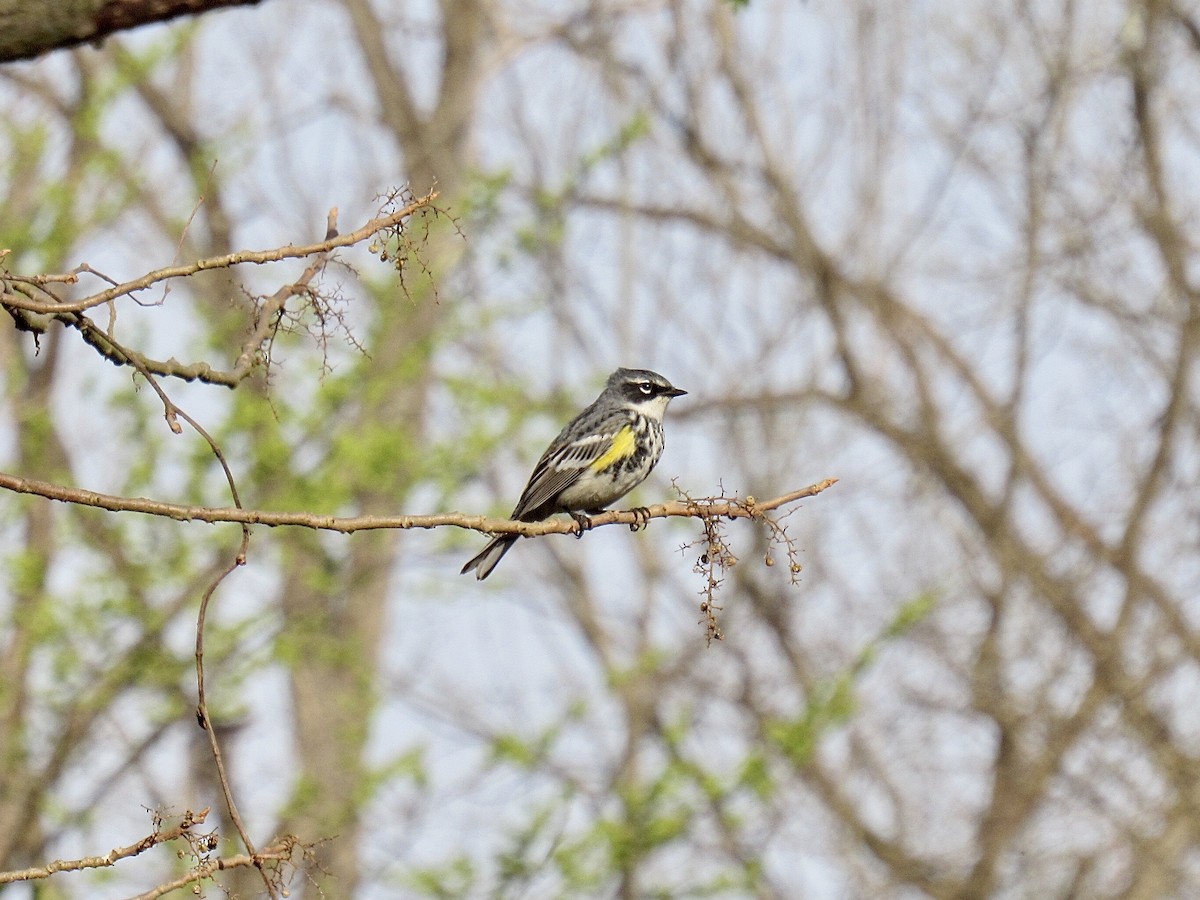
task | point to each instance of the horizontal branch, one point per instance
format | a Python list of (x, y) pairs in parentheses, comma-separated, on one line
[(190, 820), (277, 853), (228, 260), (720, 507)]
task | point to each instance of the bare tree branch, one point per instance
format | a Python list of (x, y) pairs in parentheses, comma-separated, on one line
[(280, 852), (750, 508), (188, 821), (20, 297), (33, 27), (258, 257)]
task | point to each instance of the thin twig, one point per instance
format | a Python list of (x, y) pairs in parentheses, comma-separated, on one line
[(173, 413), (258, 257), (188, 821), (30, 313), (205, 721), (280, 852)]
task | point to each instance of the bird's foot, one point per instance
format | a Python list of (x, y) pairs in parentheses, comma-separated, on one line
[(583, 523), (641, 516)]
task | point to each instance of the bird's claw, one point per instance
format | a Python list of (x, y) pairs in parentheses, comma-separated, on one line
[(583, 523), (641, 516)]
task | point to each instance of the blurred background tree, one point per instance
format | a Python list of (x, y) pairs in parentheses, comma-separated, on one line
[(942, 251)]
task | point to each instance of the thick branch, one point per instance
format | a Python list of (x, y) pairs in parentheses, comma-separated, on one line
[(29, 28), (703, 508)]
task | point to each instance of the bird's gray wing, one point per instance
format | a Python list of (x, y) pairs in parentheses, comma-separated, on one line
[(565, 461)]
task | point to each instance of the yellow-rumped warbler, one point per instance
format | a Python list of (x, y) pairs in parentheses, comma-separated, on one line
[(603, 454)]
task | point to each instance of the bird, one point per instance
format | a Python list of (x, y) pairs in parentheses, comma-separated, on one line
[(599, 457)]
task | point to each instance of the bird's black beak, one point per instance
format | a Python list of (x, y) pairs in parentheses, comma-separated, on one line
[(675, 392)]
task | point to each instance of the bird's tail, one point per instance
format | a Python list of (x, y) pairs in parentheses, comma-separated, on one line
[(486, 559)]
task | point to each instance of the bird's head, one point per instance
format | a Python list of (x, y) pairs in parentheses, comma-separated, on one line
[(646, 391)]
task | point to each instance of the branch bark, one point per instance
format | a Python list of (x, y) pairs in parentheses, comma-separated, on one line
[(259, 257), (29, 28), (278, 853), (708, 507), (34, 873)]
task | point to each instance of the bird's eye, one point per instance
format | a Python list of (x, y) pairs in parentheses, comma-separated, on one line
[(645, 387)]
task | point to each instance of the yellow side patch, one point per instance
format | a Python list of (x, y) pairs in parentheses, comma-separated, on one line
[(623, 445)]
